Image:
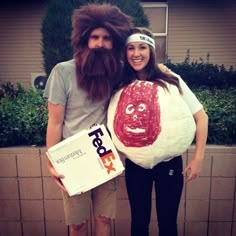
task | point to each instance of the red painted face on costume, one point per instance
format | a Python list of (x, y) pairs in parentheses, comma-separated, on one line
[(137, 116)]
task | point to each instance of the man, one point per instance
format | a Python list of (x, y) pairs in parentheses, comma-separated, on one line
[(78, 92)]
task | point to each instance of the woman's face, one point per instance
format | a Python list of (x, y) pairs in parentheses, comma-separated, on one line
[(138, 55)]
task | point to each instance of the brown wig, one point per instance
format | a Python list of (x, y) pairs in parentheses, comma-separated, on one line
[(98, 70), (92, 16), (152, 70)]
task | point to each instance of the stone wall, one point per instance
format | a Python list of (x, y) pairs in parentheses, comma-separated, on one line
[(31, 204)]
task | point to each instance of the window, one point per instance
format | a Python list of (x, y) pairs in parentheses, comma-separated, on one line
[(158, 17)]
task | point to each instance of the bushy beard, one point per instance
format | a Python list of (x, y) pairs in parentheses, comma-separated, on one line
[(98, 71)]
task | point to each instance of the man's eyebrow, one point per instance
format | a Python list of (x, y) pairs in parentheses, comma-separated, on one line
[(107, 36)]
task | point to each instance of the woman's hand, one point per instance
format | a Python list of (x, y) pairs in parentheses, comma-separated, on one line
[(192, 170)]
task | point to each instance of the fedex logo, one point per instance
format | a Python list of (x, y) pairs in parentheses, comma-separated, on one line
[(106, 155)]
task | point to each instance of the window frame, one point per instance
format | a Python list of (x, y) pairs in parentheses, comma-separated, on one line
[(159, 5), (163, 34)]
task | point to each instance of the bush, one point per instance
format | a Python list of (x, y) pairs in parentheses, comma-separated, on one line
[(220, 105), (200, 73), (56, 32), (23, 116)]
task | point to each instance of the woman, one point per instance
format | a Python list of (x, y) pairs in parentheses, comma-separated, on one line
[(137, 136)]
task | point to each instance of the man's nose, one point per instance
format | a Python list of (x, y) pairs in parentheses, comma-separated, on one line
[(99, 43)]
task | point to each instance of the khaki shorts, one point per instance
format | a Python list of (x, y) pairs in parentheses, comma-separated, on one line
[(103, 198)]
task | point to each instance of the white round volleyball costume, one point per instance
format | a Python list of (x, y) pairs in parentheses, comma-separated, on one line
[(150, 124)]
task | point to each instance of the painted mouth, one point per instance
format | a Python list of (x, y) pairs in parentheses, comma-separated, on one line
[(136, 130)]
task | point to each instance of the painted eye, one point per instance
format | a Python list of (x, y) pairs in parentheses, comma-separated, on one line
[(129, 109), (141, 107)]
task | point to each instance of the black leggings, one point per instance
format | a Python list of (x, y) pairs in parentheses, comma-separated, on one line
[(168, 180)]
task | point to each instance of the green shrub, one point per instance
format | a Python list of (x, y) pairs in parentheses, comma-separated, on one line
[(56, 31), (220, 105), (201, 73), (23, 116)]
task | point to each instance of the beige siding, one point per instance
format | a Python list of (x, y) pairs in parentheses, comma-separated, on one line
[(20, 42), (202, 27)]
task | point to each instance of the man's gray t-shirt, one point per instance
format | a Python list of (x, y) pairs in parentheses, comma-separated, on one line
[(80, 111)]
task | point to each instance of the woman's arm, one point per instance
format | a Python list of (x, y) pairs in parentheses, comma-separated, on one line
[(194, 167), (56, 114)]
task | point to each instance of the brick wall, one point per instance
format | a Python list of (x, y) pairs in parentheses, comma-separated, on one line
[(31, 203)]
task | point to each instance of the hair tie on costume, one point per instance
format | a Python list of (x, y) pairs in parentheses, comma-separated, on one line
[(141, 38)]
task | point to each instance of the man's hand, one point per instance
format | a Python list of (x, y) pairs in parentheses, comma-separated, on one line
[(56, 176)]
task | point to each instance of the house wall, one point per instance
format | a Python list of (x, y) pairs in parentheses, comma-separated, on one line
[(20, 41), (202, 27), (31, 204)]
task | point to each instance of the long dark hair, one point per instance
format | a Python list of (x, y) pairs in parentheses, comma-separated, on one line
[(152, 70)]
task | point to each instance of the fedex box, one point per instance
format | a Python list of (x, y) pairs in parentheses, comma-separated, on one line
[(86, 159)]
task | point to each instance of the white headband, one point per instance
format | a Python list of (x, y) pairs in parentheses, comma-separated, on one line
[(141, 38)]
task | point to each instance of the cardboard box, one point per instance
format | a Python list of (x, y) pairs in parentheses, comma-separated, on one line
[(86, 159)]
